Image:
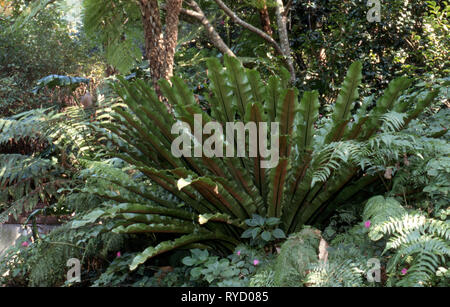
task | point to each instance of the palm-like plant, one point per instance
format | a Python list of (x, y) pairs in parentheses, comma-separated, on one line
[(315, 167), (34, 159)]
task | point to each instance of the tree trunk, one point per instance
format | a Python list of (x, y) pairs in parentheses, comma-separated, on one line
[(160, 46), (265, 18), (284, 39), (171, 35), (154, 46), (283, 48)]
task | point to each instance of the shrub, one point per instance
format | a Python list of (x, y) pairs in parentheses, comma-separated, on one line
[(211, 197)]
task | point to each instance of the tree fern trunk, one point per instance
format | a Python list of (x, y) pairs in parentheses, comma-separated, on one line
[(171, 35), (160, 46), (154, 45)]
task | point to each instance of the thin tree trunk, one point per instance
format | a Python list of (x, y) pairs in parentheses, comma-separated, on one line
[(213, 36), (235, 18), (284, 39), (283, 48), (265, 18)]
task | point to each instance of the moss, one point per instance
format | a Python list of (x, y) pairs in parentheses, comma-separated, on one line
[(296, 255)]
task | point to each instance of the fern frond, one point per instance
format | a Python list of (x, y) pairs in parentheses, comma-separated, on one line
[(419, 242), (392, 121), (335, 274)]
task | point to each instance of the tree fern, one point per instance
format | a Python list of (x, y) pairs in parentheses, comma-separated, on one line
[(117, 25), (335, 274), (38, 153), (419, 243)]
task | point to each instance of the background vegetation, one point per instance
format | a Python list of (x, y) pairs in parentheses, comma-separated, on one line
[(364, 166)]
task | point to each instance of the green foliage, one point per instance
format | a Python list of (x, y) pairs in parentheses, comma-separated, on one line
[(200, 268), (32, 11), (335, 274), (328, 35), (340, 222), (13, 265), (40, 150), (43, 44), (263, 278), (223, 272), (133, 191), (295, 258), (117, 27), (26, 175), (420, 244), (412, 249), (43, 262), (433, 42), (262, 230), (348, 261), (48, 265), (116, 274), (349, 254), (422, 179), (379, 209), (212, 197), (61, 81)]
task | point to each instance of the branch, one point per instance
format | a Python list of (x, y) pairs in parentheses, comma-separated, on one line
[(214, 37), (35, 8), (287, 8), (199, 16), (283, 50), (249, 27), (191, 13), (284, 39)]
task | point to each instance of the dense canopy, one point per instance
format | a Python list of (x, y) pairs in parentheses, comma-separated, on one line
[(248, 143)]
